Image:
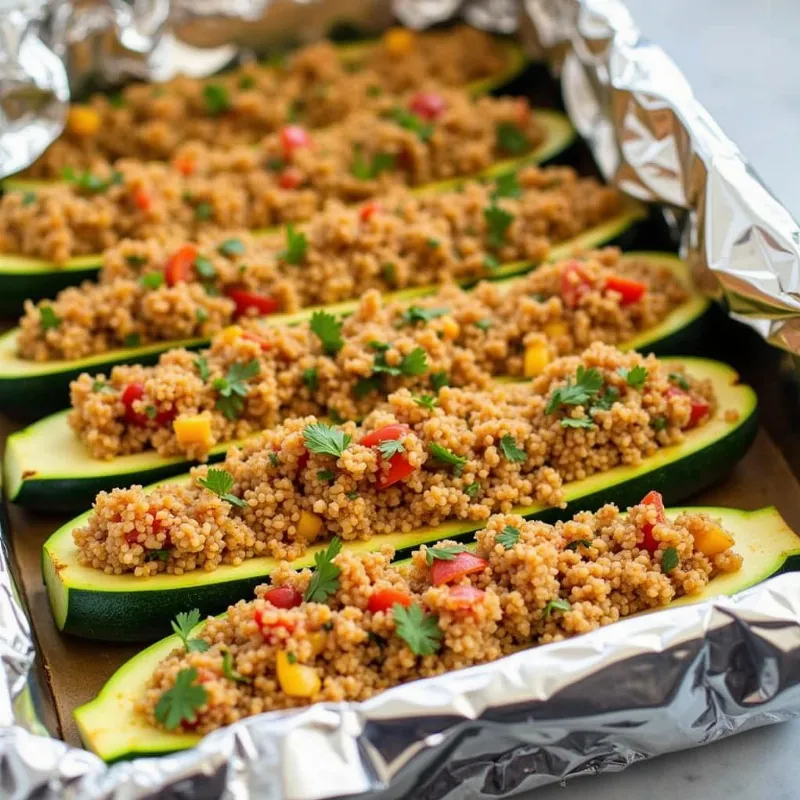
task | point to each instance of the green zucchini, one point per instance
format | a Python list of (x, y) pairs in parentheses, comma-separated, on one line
[(25, 278), (46, 466), (92, 604), (29, 387), (111, 729)]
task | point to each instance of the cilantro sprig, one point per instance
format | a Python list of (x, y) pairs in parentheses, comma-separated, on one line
[(325, 439), (420, 631), (669, 559), (498, 221), (510, 450), (447, 553), (391, 447), (576, 543), (411, 122), (636, 377), (216, 98), (183, 624), (369, 170), (296, 246), (588, 383), (511, 139), (233, 387), (507, 186), (508, 537), (220, 482), (181, 702), (325, 580), (415, 314), (426, 401), (48, 319), (328, 330), (445, 456)]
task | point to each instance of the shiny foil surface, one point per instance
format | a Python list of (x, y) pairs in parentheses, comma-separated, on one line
[(597, 703)]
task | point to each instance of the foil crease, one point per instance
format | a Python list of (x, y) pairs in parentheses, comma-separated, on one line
[(645, 686)]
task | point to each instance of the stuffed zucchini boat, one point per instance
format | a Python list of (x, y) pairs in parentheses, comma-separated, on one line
[(150, 121), (64, 460), (290, 177), (129, 718), (34, 375), (104, 583)]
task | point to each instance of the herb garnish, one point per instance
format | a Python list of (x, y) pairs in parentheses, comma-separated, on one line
[(203, 211), (635, 378), (576, 543), (659, 423), (274, 459), (446, 456), (229, 672), (91, 183), (233, 387), (587, 384), (557, 604), (180, 703), (473, 489), (152, 280), (132, 340), (409, 121), (679, 380), (498, 221), (296, 246), (426, 401), (220, 482), (507, 186), (511, 139), (483, 324), (508, 537), (510, 449), (368, 170), (48, 318), (413, 363), (326, 475), (328, 330), (577, 422), (325, 439), (216, 98), (391, 447), (183, 624), (311, 379), (439, 380), (101, 386), (205, 268), (418, 630), (202, 368), (325, 579), (669, 559), (414, 314), (490, 262)]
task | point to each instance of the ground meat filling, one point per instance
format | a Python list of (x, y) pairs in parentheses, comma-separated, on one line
[(288, 177), (183, 404), (160, 291), (376, 625), (314, 87), (414, 462)]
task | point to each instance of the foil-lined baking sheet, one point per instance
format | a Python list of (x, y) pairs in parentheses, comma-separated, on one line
[(642, 687)]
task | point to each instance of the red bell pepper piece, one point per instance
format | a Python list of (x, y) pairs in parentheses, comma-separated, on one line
[(293, 137), (574, 283), (284, 597), (180, 264), (368, 211), (386, 599), (629, 290), (427, 105), (266, 627), (135, 391), (184, 165), (465, 596), (465, 563), (245, 301), (142, 199), (699, 407), (251, 337), (290, 178), (654, 499), (399, 466)]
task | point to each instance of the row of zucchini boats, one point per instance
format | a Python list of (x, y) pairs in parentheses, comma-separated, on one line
[(392, 434)]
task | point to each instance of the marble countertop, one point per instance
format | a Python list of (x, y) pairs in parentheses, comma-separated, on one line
[(738, 56)]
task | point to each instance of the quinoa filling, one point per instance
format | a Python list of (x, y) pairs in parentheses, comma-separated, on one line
[(155, 291), (358, 624), (287, 177), (253, 377), (313, 86), (414, 462)]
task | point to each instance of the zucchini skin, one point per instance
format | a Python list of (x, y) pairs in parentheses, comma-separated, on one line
[(145, 616)]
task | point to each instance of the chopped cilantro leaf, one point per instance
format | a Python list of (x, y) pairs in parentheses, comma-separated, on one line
[(228, 670), (415, 314), (473, 489), (576, 543), (490, 262), (411, 122), (296, 246), (511, 139), (233, 387), (679, 380), (510, 450), (325, 440), (325, 579), (220, 482), (328, 330), (180, 703), (446, 456), (311, 379), (588, 383), (669, 559), (498, 221), (152, 280), (427, 401), (216, 98), (635, 377), (366, 386), (48, 319), (439, 380), (508, 537), (132, 340), (579, 422), (483, 324), (326, 475), (391, 447), (659, 423), (369, 170), (418, 630), (507, 186), (202, 368), (203, 211), (447, 553), (231, 247), (183, 624), (557, 604)]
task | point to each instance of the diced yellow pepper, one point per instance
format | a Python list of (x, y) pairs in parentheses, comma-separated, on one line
[(230, 334), (318, 641), (555, 328), (297, 680), (450, 328), (83, 121), (195, 430), (537, 357), (398, 41), (309, 525), (713, 541)]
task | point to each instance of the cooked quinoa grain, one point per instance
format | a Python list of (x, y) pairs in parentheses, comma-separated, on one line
[(527, 583), (465, 455), (172, 290), (287, 177), (314, 87), (463, 338)]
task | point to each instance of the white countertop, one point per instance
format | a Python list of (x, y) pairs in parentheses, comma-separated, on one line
[(739, 59)]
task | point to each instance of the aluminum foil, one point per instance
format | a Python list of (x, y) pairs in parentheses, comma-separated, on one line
[(646, 686)]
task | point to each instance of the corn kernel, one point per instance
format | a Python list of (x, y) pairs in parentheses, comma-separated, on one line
[(712, 541), (230, 334), (83, 121), (296, 680), (318, 640), (398, 41), (555, 328), (450, 328), (309, 526), (193, 431), (537, 357)]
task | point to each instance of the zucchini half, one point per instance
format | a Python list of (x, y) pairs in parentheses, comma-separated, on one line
[(47, 466), (110, 728), (89, 603), (41, 386), (27, 278)]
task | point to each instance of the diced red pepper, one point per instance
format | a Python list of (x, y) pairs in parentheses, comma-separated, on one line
[(574, 283), (699, 407), (262, 343), (465, 563), (385, 600), (465, 596), (427, 105), (293, 137), (180, 264), (290, 178), (184, 165), (284, 597), (399, 467), (266, 627), (654, 499), (368, 211), (132, 537), (142, 199), (135, 391), (629, 290), (245, 301)]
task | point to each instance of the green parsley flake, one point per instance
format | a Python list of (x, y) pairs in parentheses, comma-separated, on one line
[(577, 422), (203, 211), (101, 386), (498, 221), (328, 330), (311, 379), (391, 447), (296, 246), (659, 423), (576, 543), (669, 559), (326, 475), (511, 139), (507, 186), (216, 98), (418, 630), (132, 340), (414, 314), (352, 495), (472, 490), (366, 386), (369, 170), (152, 280), (426, 401), (48, 318), (202, 368), (88, 182), (409, 121), (274, 459), (28, 198), (447, 553), (220, 482), (635, 378), (180, 703), (558, 604), (511, 451), (439, 380), (325, 578), (136, 261), (490, 262), (389, 273), (508, 537), (233, 387), (448, 457), (246, 82), (325, 439), (183, 625), (483, 324), (158, 555), (205, 268)]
